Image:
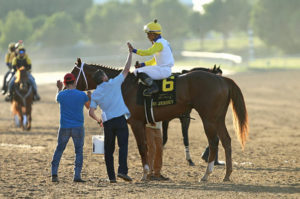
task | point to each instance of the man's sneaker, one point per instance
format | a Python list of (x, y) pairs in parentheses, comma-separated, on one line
[(124, 177), (113, 181), (54, 178), (3, 91), (159, 178), (79, 180)]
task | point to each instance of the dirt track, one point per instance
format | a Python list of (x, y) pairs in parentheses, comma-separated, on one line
[(268, 168)]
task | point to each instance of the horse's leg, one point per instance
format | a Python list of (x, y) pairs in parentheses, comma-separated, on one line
[(165, 126), (226, 142), (211, 133), (28, 117), (138, 129), (14, 111), (29, 122), (20, 115), (185, 123)]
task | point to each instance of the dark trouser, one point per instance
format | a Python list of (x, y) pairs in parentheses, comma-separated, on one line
[(116, 127)]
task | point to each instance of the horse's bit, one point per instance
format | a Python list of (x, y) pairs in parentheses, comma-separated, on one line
[(81, 71)]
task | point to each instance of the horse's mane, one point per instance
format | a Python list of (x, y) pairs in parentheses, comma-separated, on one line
[(109, 70), (18, 74), (99, 66)]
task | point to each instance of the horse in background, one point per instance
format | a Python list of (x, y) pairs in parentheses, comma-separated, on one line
[(209, 94), (185, 119), (22, 100)]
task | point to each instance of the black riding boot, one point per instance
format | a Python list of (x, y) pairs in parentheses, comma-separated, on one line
[(4, 87), (148, 81), (8, 97), (36, 96)]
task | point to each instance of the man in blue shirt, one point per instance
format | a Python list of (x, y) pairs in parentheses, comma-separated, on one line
[(71, 103), (108, 96)]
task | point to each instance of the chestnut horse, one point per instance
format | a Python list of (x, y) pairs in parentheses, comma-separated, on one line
[(209, 94), (22, 100)]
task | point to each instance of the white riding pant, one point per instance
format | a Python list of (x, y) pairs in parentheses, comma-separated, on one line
[(155, 72)]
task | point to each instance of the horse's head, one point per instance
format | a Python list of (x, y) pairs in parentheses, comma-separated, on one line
[(22, 79), (84, 73)]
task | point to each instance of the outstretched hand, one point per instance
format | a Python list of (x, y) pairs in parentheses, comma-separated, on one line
[(100, 122), (137, 64), (130, 47), (59, 85)]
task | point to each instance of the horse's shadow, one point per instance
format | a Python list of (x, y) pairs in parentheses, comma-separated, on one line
[(223, 187)]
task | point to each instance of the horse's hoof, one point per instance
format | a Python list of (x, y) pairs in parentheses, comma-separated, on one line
[(144, 179), (204, 179), (191, 163), (226, 180)]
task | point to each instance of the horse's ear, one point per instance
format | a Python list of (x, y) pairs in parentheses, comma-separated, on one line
[(219, 67), (78, 62), (214, 67)]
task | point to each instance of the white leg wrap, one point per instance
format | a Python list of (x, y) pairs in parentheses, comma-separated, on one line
[(210, 166), (209, 170), (146, 168), (17, 121), (187, 153), (24, 120)]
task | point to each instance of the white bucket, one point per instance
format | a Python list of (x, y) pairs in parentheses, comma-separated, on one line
[(98, 144)]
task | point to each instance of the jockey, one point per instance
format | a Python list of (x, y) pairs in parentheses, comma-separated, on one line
[(20, 60), (8, 60), (159, 67)]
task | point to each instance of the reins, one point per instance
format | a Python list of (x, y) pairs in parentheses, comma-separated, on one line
[(81, 70)]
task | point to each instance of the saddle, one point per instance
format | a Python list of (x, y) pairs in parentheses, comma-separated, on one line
[(165, 96)]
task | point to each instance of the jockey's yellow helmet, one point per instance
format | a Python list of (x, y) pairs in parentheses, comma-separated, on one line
[(21, 49), (153, 27), (10, 45)]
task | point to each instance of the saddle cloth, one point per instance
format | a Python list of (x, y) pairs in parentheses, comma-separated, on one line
[(165, 96)]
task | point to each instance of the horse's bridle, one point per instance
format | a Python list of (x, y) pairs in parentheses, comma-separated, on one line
[(23, 97), (81, 70)]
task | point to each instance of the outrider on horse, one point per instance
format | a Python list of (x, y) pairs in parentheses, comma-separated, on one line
[(21, 60), (209, 94)]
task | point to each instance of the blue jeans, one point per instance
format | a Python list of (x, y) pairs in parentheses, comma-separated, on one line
[(116, 127), (64, 134)]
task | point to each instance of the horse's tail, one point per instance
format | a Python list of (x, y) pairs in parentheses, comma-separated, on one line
[(239, 112)]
